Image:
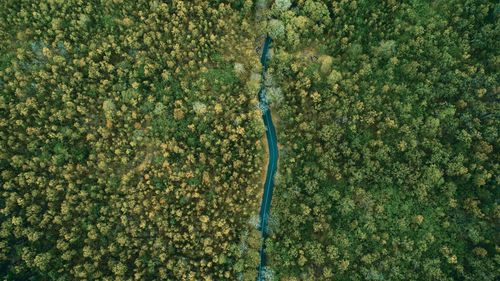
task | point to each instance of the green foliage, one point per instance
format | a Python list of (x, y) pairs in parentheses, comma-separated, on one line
[(276, 29), (130, 141), (388, 164), (282, 5), (127, 141)]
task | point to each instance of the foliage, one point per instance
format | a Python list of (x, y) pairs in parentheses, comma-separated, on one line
[(129, 147), (389, 135), (131, 144)]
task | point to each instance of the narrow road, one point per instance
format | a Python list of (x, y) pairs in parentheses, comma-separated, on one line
[(273, 158)]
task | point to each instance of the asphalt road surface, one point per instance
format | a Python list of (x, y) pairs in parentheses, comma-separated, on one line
[(273, 158)]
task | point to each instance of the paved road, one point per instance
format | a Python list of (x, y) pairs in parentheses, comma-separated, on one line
[(273, 158)]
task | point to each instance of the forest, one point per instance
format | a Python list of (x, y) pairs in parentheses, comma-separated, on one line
[(388, 125), (129, 140), (132, 146)]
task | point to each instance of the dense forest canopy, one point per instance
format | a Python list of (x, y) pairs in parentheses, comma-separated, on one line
[(132, 146), (389, 132), (129, 140)]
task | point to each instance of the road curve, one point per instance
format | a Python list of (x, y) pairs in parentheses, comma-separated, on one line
[(272, 144)]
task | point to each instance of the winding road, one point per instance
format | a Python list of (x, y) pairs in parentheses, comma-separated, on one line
[(273, 158)]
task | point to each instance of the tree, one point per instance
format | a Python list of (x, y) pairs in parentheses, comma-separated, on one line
[(276, 29)]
